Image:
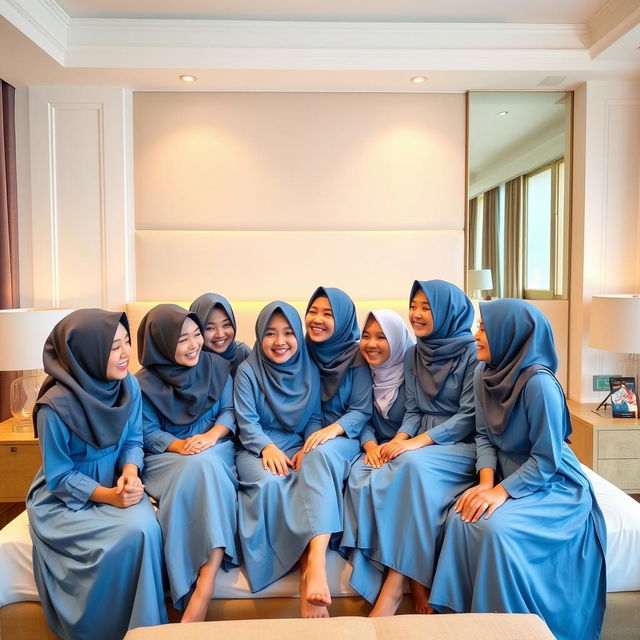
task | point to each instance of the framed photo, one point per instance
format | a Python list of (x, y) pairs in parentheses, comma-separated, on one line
[(624, 399)]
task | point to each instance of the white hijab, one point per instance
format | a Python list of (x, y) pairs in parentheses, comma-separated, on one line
[(389, 376)]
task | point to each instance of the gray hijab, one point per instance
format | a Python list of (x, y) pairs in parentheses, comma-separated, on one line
[(75, 356)]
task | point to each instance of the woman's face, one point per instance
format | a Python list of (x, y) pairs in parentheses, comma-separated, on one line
[(373, 344), (420, 315), (484, 354), (189, 344), (279, 342), (319, 320), (118, 362), (218, 332)]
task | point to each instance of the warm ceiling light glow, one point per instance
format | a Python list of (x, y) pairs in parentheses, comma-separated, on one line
[(418, 79), (188, 78), (503, 113)]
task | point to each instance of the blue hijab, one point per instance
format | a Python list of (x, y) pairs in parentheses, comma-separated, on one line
[(179, 393), (521, 343), (203, 306), (434, 355), (341, 351), (291, 388)]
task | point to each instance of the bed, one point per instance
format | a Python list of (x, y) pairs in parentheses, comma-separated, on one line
[(21, 615)]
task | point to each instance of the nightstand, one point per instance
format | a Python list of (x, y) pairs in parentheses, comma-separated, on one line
[(609, 446), (19, 460)]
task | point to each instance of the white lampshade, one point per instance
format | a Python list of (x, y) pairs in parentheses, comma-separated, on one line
[(22, 336), (615, 323), (479, 279)]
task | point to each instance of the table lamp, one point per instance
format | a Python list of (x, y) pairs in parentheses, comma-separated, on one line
[(22, 336), (479, 280), (615, 326)]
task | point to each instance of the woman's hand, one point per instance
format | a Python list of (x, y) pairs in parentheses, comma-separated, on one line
[(204, 441), (372, 455), (476, 500), (275, 460), (296, 461), (396, 446), (129, 489), (321, 436)]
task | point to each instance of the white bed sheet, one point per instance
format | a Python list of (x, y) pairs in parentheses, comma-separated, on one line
[(621, 514)]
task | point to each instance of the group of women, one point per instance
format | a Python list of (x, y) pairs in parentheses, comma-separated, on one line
[(427, 455)]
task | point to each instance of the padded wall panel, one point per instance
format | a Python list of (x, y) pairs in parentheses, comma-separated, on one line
[(268, 265), (348, 161)]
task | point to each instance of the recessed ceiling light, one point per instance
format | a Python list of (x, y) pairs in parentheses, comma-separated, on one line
[(503, 113), (188, 78), (418, 79)]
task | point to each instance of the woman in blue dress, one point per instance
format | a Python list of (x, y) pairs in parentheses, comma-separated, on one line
[(385, 340), (219, 328), (289, 501), (333, 342), (429, 462), (529, 538), (97, 546), (187, 418)]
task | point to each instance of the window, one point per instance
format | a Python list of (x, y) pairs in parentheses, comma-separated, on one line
[(544, 237)]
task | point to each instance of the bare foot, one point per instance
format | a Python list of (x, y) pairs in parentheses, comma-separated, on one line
[(420, 595), (308, 610), (390, 596), (316, 588)]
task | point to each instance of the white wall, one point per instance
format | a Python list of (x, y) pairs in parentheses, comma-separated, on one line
[(79, 219), (264, 196), (606, 217)]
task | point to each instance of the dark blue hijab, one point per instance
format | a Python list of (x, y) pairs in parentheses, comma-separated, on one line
[(341, 351), (203, 306), (75, 356), (179, 393), (521, 343), (291, 388), (434, 354)]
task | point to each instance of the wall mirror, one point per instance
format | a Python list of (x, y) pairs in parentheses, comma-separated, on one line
[(519, 181)]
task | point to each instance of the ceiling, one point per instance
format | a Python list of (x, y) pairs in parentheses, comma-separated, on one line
[(540, 11), (347, 45)]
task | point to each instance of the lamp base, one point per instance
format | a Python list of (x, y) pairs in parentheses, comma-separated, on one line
[(22, 425)]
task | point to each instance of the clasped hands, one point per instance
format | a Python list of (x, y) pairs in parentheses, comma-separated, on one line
[(477, 500), (279, 463)]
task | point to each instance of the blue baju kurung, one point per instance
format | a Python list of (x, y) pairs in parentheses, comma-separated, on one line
[(280, 514), (399, 519), (196, 494), (542, 551), (98, 568)]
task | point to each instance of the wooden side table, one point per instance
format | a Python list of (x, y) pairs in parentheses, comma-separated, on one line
[(19, 460), (609, 446)]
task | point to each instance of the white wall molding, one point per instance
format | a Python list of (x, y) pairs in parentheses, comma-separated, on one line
[(611, 22), (606, 217), (82, 218), (42, 21)]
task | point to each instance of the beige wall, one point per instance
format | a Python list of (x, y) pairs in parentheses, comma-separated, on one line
[(262, 196)]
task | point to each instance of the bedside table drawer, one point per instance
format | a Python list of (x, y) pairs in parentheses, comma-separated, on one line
[(619, 443), (18, 466), (624, 473)]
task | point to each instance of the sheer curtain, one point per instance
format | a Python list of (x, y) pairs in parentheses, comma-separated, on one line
[(513, 256), (490, 237), (472, 232), (9, 281)]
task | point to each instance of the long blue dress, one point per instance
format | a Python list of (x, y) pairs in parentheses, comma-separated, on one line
[(280, 514), (201, 486), (98, 568), (400, 523), (543, 550)]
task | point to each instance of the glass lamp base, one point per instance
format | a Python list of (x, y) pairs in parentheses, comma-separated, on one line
[(23, 394)]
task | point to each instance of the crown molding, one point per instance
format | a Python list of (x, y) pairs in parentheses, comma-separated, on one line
[(615, 19), (42, 21)]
